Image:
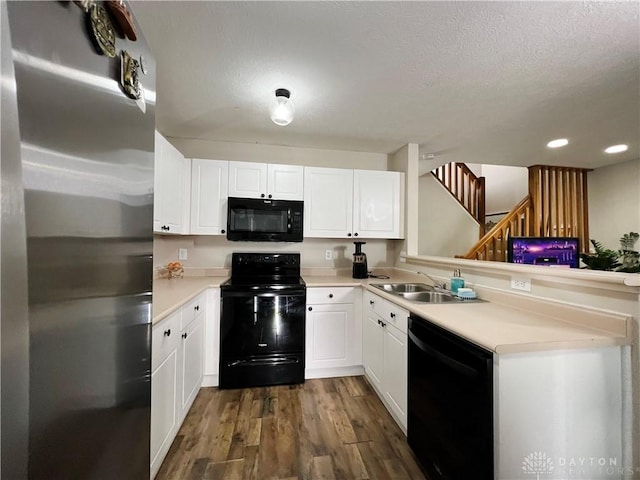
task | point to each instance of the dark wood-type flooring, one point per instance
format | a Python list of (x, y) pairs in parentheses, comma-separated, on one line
[(334, 428)]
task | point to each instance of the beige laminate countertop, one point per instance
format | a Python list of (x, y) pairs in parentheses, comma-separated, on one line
[(506, 323), (171, 294)]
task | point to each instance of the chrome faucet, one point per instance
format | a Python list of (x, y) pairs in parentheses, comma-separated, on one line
[(437, 285)]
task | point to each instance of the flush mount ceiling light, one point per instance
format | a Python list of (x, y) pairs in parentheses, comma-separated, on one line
[(616, 149), (557, 143), (282, 108)]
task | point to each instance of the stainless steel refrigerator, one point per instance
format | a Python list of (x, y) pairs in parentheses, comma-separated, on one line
[(77, 203)]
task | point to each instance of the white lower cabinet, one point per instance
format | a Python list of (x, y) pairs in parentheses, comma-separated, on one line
[(384, 353), (333, 333), (164, 387), (177, 359), (395, 371), (164, 408), (191, 362)]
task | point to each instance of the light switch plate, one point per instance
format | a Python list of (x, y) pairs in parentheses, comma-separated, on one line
[(521, 283), (182, 254)]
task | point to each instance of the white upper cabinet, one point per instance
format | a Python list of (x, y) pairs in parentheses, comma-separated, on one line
[(342, 203), (328, 202), (285, 182), (172, 177), (247, 179), (377, 205), (261, 180), (209, 184)]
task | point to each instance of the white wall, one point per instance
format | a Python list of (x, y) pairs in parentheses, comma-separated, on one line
[(445, 228), (614, 202), (406, 160), (254, 152), (215, 251), (504, 186)]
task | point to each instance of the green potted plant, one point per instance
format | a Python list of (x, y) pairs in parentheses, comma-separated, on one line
[(601, 259), (630, 257)]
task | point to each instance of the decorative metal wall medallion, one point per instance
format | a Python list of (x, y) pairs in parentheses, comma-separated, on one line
[(102, 30), (129, 76)]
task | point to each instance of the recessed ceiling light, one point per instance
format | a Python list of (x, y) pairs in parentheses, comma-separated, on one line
[(557, 143), (616, 149)]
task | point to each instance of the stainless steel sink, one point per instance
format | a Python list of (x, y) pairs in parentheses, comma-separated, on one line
[(430, 297), (397, 288), (421, 293)]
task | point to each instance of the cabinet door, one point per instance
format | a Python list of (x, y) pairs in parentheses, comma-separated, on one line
[(285, 182), (209, 196), (247, 180), (191, 362), (164, 408), (328, 202), (330, 336), (373, 349), (377, 204), (212, 333), (395, 371), (171, 185)]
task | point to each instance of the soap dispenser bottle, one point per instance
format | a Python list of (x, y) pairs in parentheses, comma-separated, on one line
[(456, 281)]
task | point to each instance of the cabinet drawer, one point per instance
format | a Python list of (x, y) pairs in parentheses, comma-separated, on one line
[(372, 303), (388, 311), (394, 315), (192, 309), (164, 338), (329, 295)]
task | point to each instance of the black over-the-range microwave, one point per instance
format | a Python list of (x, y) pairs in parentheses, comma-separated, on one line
[(262, 220)]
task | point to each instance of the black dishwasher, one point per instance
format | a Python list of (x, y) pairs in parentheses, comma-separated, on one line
[(450, 418)]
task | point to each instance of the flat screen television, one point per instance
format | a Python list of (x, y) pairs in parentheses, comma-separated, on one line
[(546, 251)]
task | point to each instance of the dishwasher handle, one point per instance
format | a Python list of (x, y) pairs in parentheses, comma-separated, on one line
[(440, 357)]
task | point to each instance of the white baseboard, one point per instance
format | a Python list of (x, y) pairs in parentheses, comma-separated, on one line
[(210, 380), (334, 372), (213, 380)]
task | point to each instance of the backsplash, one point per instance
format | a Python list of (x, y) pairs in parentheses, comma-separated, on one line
[(215, 251)]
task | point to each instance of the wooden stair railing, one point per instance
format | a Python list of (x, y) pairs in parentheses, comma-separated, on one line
[(493, 245), (560, 202), (557, 206), (466, 188)]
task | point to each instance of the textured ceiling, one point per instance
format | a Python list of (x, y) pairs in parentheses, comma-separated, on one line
[(477, 82)]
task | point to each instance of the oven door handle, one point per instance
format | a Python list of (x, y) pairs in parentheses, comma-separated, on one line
[(264, 361), (442, 358)]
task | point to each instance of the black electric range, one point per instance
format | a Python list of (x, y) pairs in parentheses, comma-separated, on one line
[(262, 326)]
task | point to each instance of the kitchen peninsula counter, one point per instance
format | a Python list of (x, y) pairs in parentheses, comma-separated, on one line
[(506, 322)]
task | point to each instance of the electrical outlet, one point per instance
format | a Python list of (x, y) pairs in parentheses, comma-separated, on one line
[(328, 254), (182, 254), (402, 255), (521, 283)]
